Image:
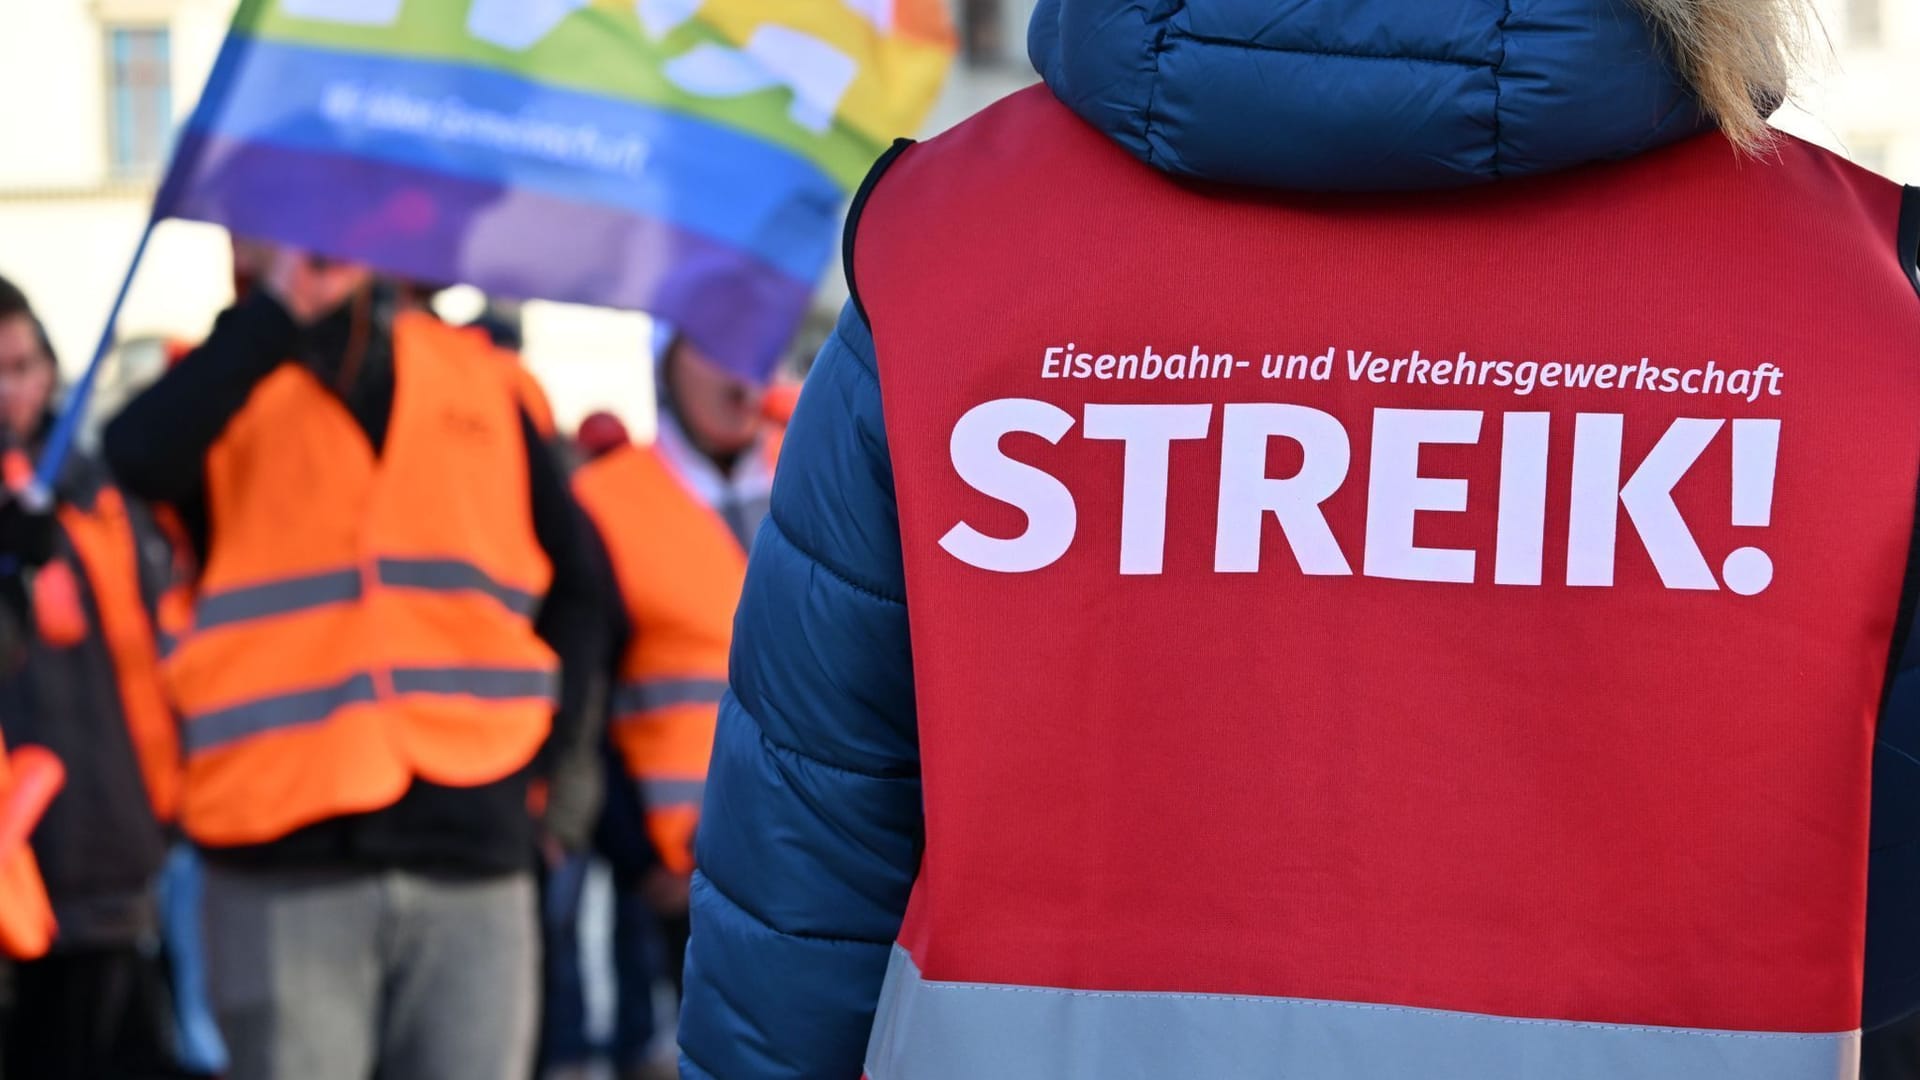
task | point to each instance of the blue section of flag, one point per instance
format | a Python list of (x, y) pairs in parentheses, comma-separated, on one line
[(492, 127)]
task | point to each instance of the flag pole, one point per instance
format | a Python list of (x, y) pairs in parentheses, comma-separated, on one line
[(39, 496)]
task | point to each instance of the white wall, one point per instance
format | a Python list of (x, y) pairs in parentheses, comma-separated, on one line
[(67, 229), (1864, 100)]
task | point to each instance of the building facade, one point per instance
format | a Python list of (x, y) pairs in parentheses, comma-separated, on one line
[(1862, 94), (92, 90), (89, 93)]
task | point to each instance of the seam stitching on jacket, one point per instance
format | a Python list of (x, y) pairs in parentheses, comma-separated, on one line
[(814, 759), (1679, 103), (697, 1063), (832, 571), (859, 365), (1250, 46), (798, 935), (1153, 85), (1499, 74)]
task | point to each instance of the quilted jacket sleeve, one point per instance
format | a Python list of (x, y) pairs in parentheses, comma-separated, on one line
[(1893, 876), (811, 832), (1893, 869)]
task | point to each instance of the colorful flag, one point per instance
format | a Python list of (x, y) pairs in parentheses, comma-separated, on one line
[(688, 158)]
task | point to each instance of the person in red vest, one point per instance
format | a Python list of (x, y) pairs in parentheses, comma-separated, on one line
[(674, 519), (394, 624), (80, 678), (1362, 541)]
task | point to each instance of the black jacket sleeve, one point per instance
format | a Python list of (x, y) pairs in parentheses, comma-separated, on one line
[(157, 446), (617, 626), (26, 536), (574, 622)]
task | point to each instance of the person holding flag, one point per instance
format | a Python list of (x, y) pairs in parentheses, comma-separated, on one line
[(393, 625)]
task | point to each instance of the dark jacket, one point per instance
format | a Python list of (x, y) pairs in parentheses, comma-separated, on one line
[(159, 446), (811, 836), (99, 845)]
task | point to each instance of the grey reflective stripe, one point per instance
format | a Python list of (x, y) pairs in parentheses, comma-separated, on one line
[(493, 684), (452, 575), (663, 794), (209, 731), (283, 597), (646, 695), (966, 1031)]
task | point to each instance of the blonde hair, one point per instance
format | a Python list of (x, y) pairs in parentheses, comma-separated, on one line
[(1740, 55)]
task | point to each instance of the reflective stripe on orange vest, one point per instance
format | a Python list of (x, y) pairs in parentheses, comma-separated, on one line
[(264, 600), (644, 696), (363, 620), (451, 575), (207, 731), (668, 794), (210, 730)]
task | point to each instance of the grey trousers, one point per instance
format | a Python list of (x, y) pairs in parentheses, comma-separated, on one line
[(327, 975)]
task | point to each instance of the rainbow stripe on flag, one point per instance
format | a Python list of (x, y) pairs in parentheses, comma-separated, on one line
[(688, 158)]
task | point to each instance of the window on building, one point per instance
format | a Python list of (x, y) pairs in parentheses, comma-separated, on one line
[(139, 98), (1864, 21)]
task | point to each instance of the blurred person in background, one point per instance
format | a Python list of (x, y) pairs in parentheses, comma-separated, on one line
[(80, 677), (1147, 716), (394, 623), (674, 519)]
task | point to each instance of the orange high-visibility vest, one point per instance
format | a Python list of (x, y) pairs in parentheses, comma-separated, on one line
[(364, 620), (103, 537), (533, 395), (27, 925), (680, 570)]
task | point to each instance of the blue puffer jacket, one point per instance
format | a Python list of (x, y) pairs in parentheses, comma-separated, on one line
[(812, 827)]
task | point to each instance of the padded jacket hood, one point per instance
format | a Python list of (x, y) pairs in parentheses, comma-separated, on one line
[(1364, 95)]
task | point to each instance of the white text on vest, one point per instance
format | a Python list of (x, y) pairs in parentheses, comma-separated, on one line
[(1396, 491)]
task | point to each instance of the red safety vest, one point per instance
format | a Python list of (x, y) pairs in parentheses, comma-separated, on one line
[(364, 620), (1365, 637)]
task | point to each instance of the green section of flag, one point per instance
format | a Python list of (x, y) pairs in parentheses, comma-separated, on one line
[(597, 50)]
